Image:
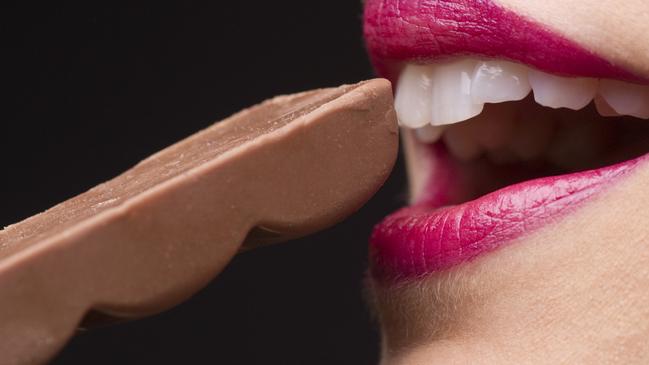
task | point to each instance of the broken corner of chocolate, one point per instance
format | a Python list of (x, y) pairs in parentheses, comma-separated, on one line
[(153, 236)]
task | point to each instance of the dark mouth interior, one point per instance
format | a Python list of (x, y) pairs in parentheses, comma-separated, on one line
[(579, 141)]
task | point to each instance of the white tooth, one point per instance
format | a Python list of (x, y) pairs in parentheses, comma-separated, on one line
[(451, 92), (461, 143), (562, 92), (577, 143), (499, 81), (412, 97), (429, 133), (626, 98), (533, 134), (603, 108), (494, 127)]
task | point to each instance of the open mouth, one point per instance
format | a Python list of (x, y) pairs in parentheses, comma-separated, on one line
[(497, 142), (495, 123)]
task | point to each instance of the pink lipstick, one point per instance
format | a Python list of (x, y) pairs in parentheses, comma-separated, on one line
[(425, 238), (428, 30)]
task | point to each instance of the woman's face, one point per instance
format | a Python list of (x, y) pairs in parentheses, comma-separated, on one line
[(483, 271)]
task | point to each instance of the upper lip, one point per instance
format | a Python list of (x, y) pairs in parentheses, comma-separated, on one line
[(426, 30)]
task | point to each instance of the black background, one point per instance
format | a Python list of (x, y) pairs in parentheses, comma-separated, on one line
[(93, 88)]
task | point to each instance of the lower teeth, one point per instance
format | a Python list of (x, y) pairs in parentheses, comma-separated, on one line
[(536, 142)]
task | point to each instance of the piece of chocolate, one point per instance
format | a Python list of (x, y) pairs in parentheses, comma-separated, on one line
[(153, 236)]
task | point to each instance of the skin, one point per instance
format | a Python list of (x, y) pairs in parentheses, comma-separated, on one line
[(616, 30), (572, 292)]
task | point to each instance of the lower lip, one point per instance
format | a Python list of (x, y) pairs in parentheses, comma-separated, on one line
[(424, 238)]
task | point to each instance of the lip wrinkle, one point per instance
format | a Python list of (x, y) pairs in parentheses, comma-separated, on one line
[(426, 238), (428, 30)]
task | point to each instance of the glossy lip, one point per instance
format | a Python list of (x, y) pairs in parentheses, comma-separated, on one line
[(428, 237), (427, 30)]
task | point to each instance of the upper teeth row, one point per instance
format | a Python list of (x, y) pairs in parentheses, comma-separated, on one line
[(450, 92)]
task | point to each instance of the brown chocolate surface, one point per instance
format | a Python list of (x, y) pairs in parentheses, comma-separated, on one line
[(150, 238)]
